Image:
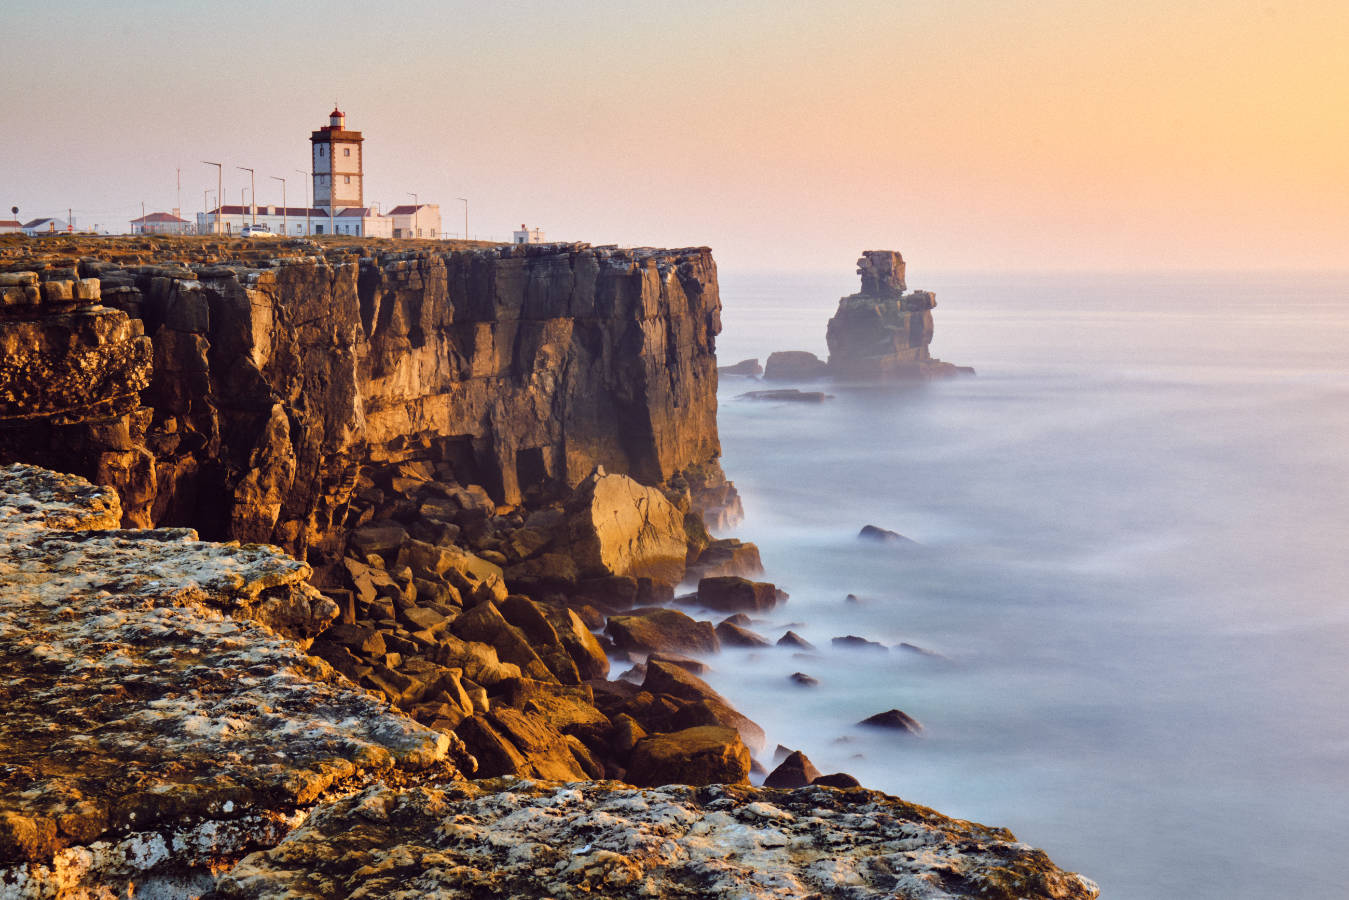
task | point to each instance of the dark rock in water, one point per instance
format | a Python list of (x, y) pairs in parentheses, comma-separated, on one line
[(792, 639), (921, 651), (854, 642), (852, 598), (733, 635), (894, 719), (794, 365), (837, 780), (663, 630), (707, 754), (731, 593), (803, 679), (795, 771), (789, 395), (883, 536), (748, 367), (740, 619), (780, 753)]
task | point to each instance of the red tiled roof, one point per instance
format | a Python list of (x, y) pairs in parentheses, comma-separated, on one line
[(158, 217), (293, 211), (10, 223), (406, 209), (354, 211)]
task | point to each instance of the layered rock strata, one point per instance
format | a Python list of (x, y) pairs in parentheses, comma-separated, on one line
[(157, 724), (513, 838)]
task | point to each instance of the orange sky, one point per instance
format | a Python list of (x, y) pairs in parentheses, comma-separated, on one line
[(967, 134)]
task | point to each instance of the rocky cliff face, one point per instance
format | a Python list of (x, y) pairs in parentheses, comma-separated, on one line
[(276, 380)]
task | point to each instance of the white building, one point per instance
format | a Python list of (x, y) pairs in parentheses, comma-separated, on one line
[(161, 223), (46, 225), (526, 235), (416, 221), (10, 226)]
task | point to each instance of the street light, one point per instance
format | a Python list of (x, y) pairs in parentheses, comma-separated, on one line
[(307, 202), (416, 210), (252, 191), (284, 228), (465, 199), (218, 196)]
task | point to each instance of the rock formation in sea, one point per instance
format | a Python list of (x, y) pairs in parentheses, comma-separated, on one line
[(491, 467), (881, 333)]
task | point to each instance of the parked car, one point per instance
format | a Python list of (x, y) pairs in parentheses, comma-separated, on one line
[(257, 230)]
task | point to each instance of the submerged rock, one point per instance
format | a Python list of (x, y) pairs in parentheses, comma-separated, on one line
[(883, 536), (529, 839), (895, 720)]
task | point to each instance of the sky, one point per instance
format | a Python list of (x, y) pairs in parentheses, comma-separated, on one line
[(1001, 136)]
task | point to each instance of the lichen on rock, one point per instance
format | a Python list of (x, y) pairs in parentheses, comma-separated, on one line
[(517, 838)]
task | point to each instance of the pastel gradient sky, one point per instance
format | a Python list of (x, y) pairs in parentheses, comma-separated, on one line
[(1037, 135)]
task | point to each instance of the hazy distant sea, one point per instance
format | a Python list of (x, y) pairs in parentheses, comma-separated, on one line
[(1133, 524)]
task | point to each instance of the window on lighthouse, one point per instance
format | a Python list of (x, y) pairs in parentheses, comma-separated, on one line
[(320, 149)]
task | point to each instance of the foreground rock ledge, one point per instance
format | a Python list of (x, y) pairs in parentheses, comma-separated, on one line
[(147, 738), (516, 838)]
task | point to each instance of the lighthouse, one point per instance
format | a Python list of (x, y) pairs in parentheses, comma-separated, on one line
[(338, 166)]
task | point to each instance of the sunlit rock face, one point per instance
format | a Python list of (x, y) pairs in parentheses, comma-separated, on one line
[(275, 380), (160, 718), (535, 839), (882, 332)]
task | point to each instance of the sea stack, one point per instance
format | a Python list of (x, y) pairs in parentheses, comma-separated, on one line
[(881, 332)]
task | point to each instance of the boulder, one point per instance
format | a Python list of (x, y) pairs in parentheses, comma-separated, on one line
[(484, 623), (705, 755), (840, 780), (803, 679), (619, 527), (585, 650), (731, 593), (727, 556), (883, 536), (853, 642), (687, 663), (732, 635), (792, 639), (794, 365), (383, 538), (894, 720), (663, 631), (703, 704), (795, 771)]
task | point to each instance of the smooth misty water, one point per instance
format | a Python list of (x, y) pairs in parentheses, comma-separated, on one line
[(1133, 528)]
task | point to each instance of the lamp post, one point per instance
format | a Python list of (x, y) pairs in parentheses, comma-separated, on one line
[(307, 202), (252, 191), (465, 199), (205, 208), (218, 201), (416, 214), (284, 227)]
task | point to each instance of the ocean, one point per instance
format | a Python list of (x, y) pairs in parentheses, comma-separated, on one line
[(1129, 572)]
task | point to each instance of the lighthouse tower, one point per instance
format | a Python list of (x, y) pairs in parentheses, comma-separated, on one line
[(338, 166)]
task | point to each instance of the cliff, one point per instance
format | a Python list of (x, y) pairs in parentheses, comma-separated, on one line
[(279, 376)]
